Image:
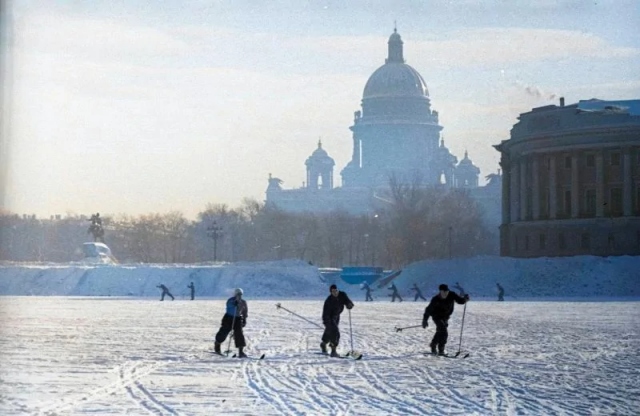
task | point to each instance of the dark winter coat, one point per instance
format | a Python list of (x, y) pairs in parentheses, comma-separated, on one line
[(440, 308), (333, 307)]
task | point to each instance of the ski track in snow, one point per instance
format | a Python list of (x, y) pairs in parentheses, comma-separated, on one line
[(70, 356)]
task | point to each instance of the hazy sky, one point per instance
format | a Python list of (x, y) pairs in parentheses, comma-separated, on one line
[(125, 106)]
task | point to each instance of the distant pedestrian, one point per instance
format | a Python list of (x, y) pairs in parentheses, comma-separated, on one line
[(440, 309), (500, 292), (193, 290), (418, 293), (333, 306), (365, 286), (460, 289), (165, 291), (235, 318), (394, 294)]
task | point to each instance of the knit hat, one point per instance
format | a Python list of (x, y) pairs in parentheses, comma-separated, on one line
[(443, 287), (333, 287), (239, 291)]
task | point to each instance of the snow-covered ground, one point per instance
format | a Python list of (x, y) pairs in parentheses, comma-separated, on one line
[(108, 355), (93, 339)]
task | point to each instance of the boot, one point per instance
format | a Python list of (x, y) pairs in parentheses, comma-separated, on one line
[(433, 348), (334, 353), (216, 348), (241, 353), (441, 349), (323, 347)]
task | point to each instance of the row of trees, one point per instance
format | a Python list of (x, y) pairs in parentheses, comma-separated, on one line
[(418, 223)]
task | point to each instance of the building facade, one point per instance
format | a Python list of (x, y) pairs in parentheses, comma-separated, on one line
[(395, 134), (571, 181)]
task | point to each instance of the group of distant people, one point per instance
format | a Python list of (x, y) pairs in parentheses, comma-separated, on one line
[(166, 292), (418, 294)]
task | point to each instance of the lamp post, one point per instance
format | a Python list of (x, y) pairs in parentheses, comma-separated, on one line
[(215, 232)]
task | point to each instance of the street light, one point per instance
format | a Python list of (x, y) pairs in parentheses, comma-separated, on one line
[(215, 232)]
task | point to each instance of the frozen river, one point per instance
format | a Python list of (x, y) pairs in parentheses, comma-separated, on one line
[(77, 356)]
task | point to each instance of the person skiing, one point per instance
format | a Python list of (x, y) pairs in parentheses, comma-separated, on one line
[(418, 293), (500, 292), (460, 289), (440, 309), (394, 293), (333, 306), (165, 291), (235, 318), (365, 286), (193, 290)]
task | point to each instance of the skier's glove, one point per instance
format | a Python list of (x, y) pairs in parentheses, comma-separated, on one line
[(244, 322), (425, 323), (466, 297), (350, 306)]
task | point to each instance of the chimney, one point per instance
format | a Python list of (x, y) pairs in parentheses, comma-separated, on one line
[(561, 101)]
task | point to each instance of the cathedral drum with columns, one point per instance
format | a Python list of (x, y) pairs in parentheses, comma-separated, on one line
[(571, 181)]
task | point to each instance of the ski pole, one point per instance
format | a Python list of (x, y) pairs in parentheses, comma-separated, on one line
[(350, 332), (279, 306), (408, 327), (464, 311)]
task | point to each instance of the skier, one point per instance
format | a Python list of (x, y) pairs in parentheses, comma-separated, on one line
[(440, 309), (165, 291), (460, 289), (500, 292), (418, 293), (193, 289), (395, 293), (365, 286), (235, 318), (333, 307)]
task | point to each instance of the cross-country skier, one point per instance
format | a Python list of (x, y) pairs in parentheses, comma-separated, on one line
[(193, 290), (235, 318), (418, 293), (333, 307), (165, 291), (440, 309), (395, 293), (365, 286), (460, 289), (500, 292)]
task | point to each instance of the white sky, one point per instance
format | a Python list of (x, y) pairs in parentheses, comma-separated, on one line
[(131, 107)]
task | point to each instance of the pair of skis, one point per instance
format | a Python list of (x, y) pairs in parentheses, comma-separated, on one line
[(236, 356)]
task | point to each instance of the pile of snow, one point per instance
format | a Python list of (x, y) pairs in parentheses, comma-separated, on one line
[(560, 277)]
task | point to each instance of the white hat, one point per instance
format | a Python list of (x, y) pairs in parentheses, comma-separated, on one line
[(238, 291)]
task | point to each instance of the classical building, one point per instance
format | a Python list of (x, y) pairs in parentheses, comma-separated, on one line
[(395, 134), (571, 181)]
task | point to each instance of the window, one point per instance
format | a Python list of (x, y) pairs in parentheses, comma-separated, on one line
[(590, 202), (615, 159), (543, 241), (616, 201), (567, 162), (562, 241), (591, 161), (567, 202), (585, 241)]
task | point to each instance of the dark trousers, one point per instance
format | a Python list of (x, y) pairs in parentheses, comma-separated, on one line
[(192, 293), (331, 333), (394, 295), (441, 335), (228, 323), (166, 292), (419, 295), (368, 298)]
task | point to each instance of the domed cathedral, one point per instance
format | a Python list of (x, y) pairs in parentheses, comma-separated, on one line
[(397, 132)]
